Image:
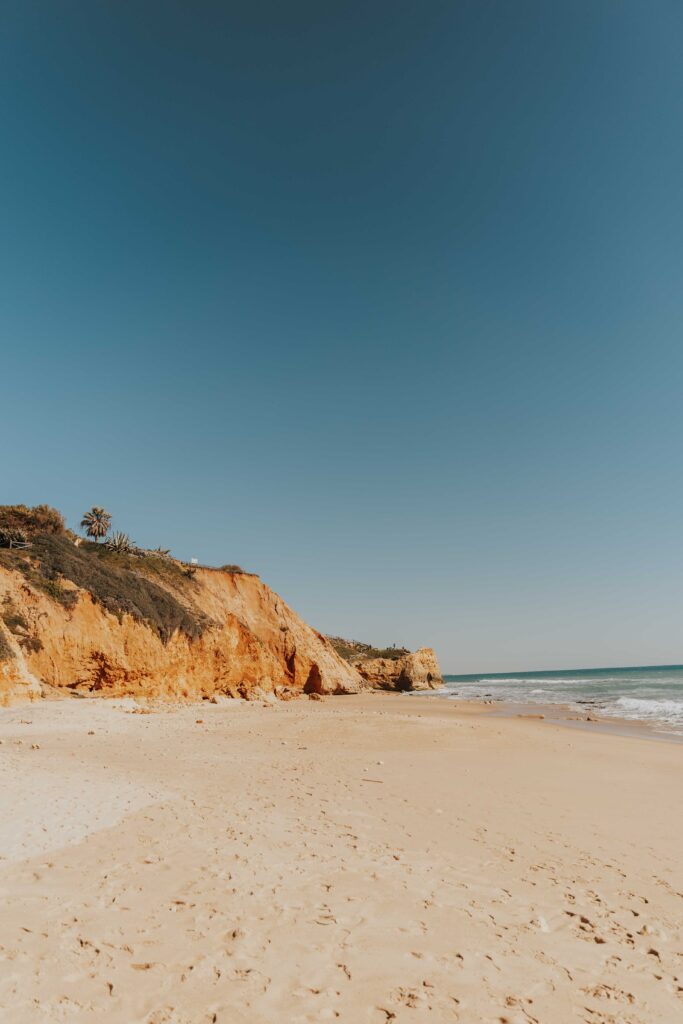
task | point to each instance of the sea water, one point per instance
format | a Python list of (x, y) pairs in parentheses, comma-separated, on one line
[(651, 693)]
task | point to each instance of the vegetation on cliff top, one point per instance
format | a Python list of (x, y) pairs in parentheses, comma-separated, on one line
[(355, 651), (120, 583), (149, 585), (28, 522)]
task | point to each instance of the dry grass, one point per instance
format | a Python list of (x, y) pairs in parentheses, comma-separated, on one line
[(121, 583)]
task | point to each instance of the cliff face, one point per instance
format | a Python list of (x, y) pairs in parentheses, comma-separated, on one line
[(16, 679), (417, 671), (255, 645)]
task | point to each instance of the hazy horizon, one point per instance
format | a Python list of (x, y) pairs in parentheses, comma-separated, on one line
[(381, 303), (563, 668)]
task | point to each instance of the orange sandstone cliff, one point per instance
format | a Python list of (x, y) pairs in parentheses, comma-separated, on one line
[(418, 670), (253, 645), (392, 668), (113, 619)]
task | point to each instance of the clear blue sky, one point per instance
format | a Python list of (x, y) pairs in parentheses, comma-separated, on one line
[(382, 301)]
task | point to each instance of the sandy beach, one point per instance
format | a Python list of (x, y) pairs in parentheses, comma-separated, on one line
[(361, 859)]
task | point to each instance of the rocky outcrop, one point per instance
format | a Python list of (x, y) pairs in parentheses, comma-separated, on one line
[(412, 671), (255, 645)]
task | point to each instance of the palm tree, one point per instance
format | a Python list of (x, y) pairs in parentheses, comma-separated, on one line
[(96, 522)]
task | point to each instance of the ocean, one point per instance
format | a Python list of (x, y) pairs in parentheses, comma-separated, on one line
[(651, 693)]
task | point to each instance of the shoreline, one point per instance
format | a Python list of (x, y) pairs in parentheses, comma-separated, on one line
[(564, 714), (561, 714)]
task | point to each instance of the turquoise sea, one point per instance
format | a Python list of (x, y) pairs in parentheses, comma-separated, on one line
[(650, 693)]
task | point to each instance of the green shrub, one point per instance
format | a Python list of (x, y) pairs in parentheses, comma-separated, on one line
[(31, 521)]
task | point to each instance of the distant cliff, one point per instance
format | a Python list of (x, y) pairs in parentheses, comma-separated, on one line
[(391, 668)]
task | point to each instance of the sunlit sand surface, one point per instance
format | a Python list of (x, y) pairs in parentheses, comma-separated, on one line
[(357, 859)]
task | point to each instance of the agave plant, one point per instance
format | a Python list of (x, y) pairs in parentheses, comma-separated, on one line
[(120, 542), (96, 522)]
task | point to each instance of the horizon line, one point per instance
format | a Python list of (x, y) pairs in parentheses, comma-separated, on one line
[(542, 671)]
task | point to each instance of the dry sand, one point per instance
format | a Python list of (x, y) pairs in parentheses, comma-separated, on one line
[(369, 859)]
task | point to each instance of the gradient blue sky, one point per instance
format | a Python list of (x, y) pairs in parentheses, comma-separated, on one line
[(382, 301)]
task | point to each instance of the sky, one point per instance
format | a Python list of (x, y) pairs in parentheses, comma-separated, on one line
[(381, 301)]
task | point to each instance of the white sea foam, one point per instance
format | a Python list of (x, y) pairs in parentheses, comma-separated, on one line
[(641, 707), (654, 694), (552, 680)]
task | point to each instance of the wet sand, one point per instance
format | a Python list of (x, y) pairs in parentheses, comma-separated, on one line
[(361, 859)]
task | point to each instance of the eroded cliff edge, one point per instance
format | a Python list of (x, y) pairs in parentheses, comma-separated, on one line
[(113, 619), (247, 641)]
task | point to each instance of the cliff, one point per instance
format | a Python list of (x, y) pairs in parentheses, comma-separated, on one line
[(391, 668), (84, 620), (417, 671), (117, 620)]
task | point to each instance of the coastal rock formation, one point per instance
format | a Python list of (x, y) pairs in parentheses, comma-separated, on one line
[(417, 671), (391, 668), (251, 644), (114, 619)]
